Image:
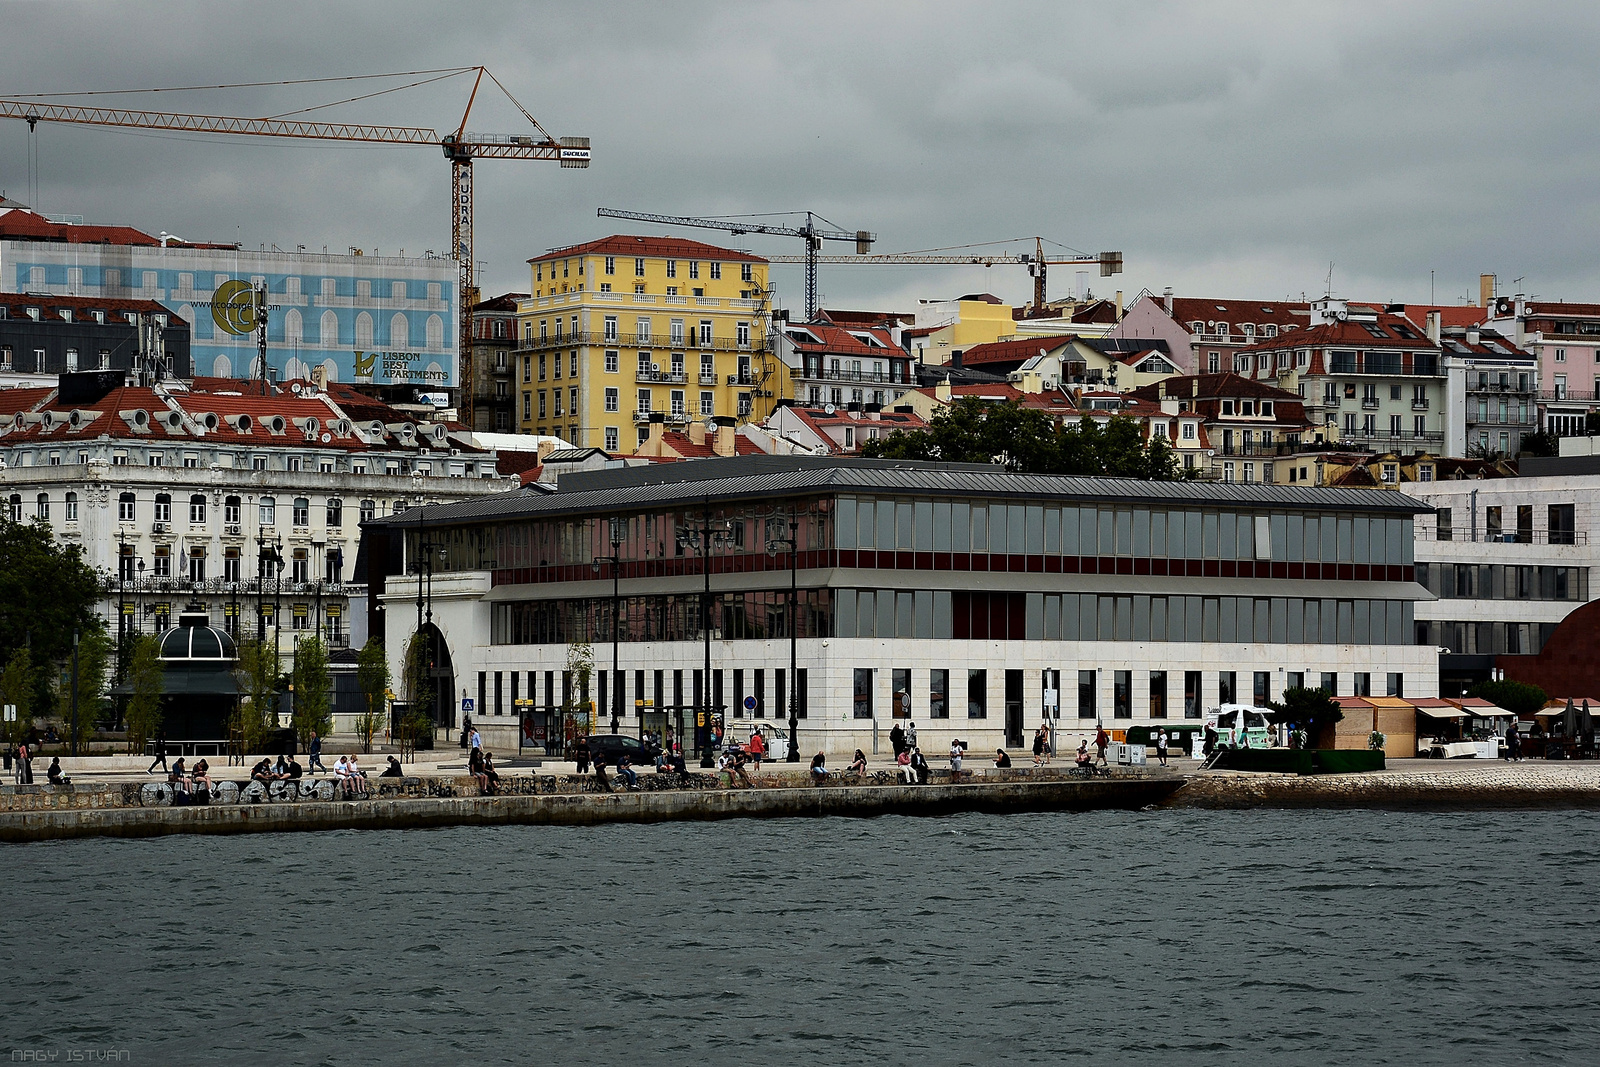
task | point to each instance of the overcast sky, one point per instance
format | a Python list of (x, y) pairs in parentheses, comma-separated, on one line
[(1227, 149)]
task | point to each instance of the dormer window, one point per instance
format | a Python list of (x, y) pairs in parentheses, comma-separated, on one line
[(1247, 407), (1227, 407), (1266, 408)]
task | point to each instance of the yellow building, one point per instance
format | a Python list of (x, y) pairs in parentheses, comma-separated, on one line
[(943, 326), (625, 326)]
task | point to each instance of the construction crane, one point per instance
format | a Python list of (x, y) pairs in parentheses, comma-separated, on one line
[(1037, 263), (460, 148), (811, 233)]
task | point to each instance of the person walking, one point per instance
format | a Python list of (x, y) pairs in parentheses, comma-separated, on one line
[(1038, 747), (757, 748), (1102, 741), (1161, 746), (158, 748), (314, 757), (1513, 743), (911, 735)]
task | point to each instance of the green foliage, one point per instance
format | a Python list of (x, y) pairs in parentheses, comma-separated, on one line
[(259, 667), (1312, 710), (372, 675), (1519, 698), (1540, 443), (312, 687), (1376, 740), (146, 680), (47, 591), (414, 670), (17, 687), (1026, 440), (94, 659)]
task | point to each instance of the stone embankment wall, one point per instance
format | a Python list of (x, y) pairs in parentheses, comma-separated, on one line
[(1524, 786), (583, 809)]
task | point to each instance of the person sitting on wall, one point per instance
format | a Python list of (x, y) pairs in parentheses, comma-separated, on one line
[(53, 775), (600, 772), (201, 775), (858, 766), (490, 773), (1083, 759), (903, 761), (626, 771), (358, 777), (475, 768), (819, 768), (919, 764), (1001, 759), (393, 770)]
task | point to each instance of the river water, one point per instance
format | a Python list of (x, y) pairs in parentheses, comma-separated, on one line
[(1113, 937)]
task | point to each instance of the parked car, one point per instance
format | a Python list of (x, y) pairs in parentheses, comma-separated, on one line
[(611, 746)]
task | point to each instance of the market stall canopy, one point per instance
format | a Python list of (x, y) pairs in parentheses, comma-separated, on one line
[(1480, 708), (1446, 712)]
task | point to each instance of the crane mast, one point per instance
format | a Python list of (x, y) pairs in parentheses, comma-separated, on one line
[(460, 148), (812, 234)]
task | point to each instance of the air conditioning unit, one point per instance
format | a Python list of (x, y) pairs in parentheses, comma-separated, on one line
[(159, 527), (233, 531)]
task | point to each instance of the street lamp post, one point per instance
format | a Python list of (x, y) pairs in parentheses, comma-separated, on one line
[(138, 599), (617, 530), (701, 538), (786, 533)]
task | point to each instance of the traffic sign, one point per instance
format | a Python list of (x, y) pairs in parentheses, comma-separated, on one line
[(750, 703), (11, 713), (466, 703)]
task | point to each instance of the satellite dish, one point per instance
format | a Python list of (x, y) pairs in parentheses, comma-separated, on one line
[(326, 437), (829, 409)]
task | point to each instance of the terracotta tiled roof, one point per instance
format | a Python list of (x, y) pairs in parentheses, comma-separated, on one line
[(1394, 331), (652, 247), (1279, 312), (16, 305), (1015, 351), (838, 339), (995, 391), (1227, 384)]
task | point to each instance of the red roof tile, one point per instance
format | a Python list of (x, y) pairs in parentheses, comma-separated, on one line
[(659, 247), (1015, 351)]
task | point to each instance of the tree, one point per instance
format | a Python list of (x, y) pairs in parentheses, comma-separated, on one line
[(372, 675), (17, 687), (1540, 443), (47, 594), (1311, 710), (580, 667), (259, 666), (146, 681), (1521, 699), (312, 708), (1027, 441), (94, 657)]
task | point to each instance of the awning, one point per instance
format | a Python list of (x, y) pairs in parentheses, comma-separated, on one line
[(1442, 713), (1490, 713), (1550, 711)]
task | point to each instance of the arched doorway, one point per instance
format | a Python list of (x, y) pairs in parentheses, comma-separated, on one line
[(439, 679)]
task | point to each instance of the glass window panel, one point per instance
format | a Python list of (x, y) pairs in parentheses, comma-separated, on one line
[(1294, 620), (1360, 629), (1052, 532), (1088, 617), (1088, 532), (980, 528), (1033, 617), (924, 520), (1330, 539), (1124, 531), (1192, 546), (1295, 538), (943, 627), (1227, 538), (1158, 618), (924, 614), (844, 522), (1346, 621), (941, 526), (1158, 534), (1069, 531), (865, 524), (1344, 539), (1280, 537), (1209, 526), (1052, 617), (902, 525), (1141, 532), (885, 601), (1108, 617), (1141, 618), (1361, 548), (1069, 616), (1016, 528), (866, 615), (1262, 630), (1035, 529), (885, 510), (1330, 621), (845, 611), (903, 614), (960, 527), (997, 529), (1230, 622), (1193, 618), (1400, 531), (1211, 619)]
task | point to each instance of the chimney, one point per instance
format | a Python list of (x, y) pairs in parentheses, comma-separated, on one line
[(1485, 290), (545, 448), (1161, 389), (942, 392), (1166, 298), (1119, 305), (955, 358), (1472, 335), (658, 427), (1194, 387), (726, 428), (697, 433), (1433, 326)]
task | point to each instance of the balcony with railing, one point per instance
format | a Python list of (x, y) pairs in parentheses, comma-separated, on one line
[(1578, 396), (664, 377), (1369, 403), (634, 340), (1526, 535), (671, 418), (1419, 403), (1387, 364)]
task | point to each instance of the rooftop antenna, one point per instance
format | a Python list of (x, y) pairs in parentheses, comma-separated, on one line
[(1329, 292)]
